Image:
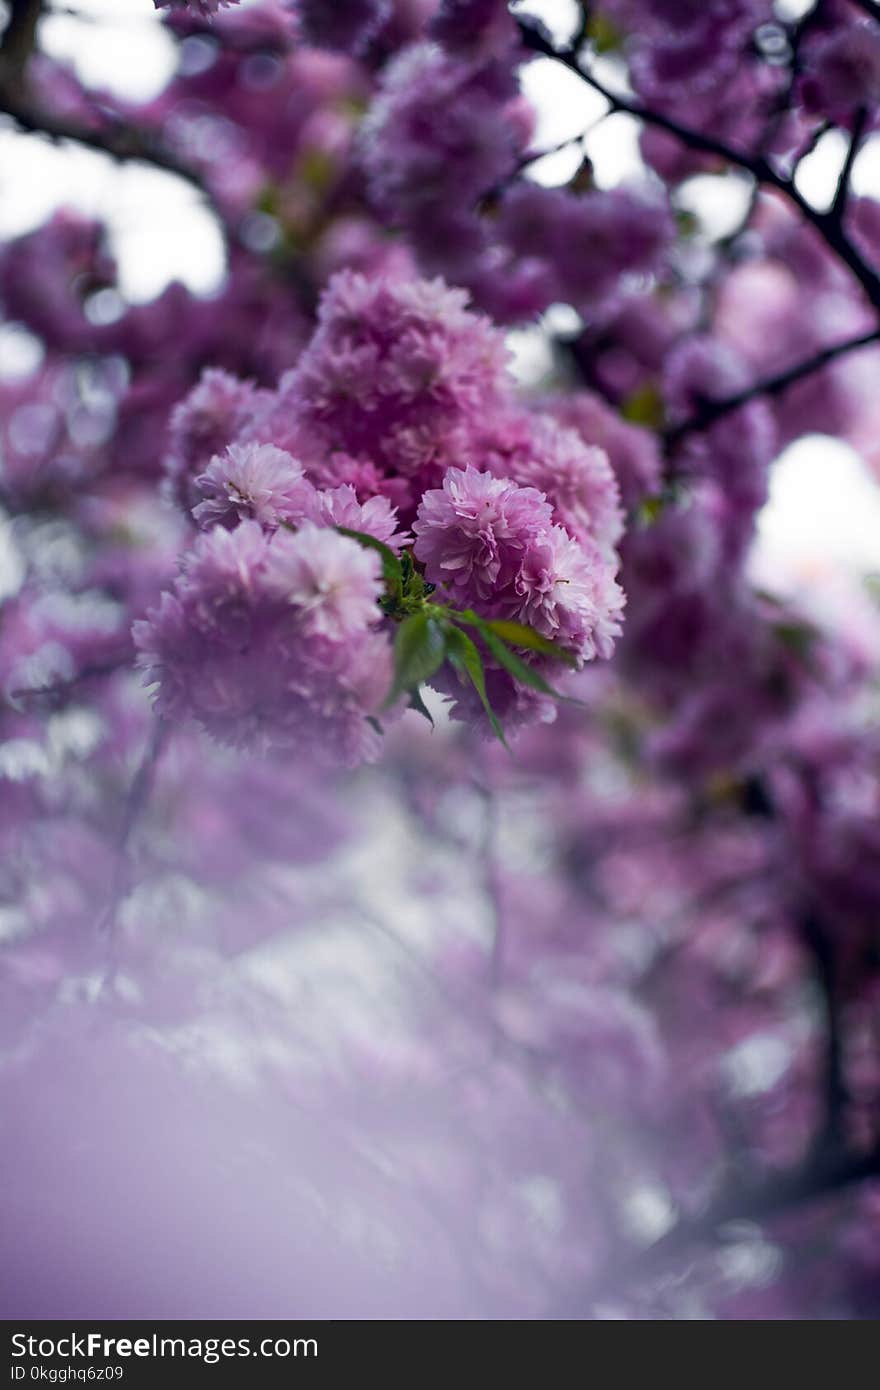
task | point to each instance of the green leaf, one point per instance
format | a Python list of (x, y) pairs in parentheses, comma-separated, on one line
[(521, 635), (798, 638), (415, 586), (465, 657), (604, 36), (419, 649), (316, 169), (417, 703), (391, 566), (650, 509), (688, 223), (526, 675), (268, 199), (645, 407)]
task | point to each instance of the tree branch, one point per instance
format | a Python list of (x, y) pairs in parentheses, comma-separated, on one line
[(536, 40), (133, 807), (711, 411), (19, 36), (818, 1177), (491, 880), (56, 690), (838, 207), (820, 946), (118, 140), (797, 34)]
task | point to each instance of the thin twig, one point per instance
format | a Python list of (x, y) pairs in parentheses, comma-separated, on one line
[(120, 141), (19, 36), (821, 948), (757, 165), (133, 807), (491, 879), (711, 411), (57, 689), (818, 1177), (838, 206)]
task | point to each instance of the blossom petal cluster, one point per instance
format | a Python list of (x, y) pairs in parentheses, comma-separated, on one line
[(272, 642), (843, 74), (346, 25), (401, 413), (492, 545), (391, 385)]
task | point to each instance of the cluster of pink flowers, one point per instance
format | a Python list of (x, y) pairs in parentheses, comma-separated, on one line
[(400, 406), (392, 387), (439, 135), (843, 74), (586, 245), (445, 136), (492, 545), (265, 484), (349, 25), (271, 641)]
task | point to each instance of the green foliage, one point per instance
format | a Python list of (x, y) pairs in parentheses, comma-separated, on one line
[(798, 637), (688, 223), (419, 651), (465, 656), (520, 635), (645, 407), (392, 569), (435, 634), (431, 633), (650, 509), (506, 657), (603, 34)]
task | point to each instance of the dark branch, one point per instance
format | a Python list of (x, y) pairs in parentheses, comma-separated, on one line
[(19, 36), (821, 948), (134, 806), (796, 36), (492, 882), (711, 411), (121, 142), (818, 1177), (838, 207), (536, 40), (54, 693)]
